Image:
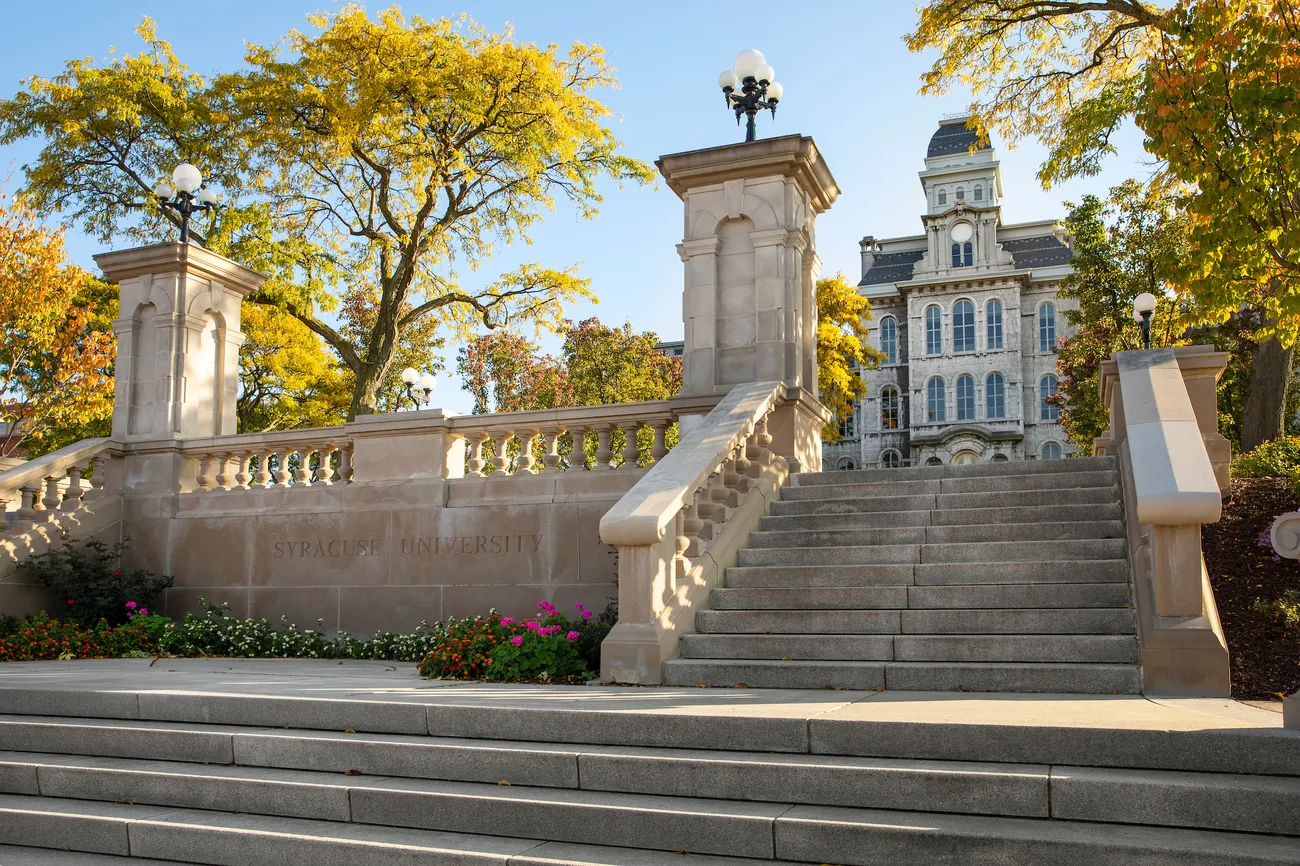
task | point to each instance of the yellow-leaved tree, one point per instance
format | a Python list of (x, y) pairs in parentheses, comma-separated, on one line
[(842, 350), (56, 349)]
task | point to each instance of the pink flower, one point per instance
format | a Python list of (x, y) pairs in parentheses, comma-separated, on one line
[(131, 605), (117, 574), (586, 614), (573, 635), (530, 625), (144, 611), (71, 602), (507, 620), (578, 605), (544, 631), (517, 639)]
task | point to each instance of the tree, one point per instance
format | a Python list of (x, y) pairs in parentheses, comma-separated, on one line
[(1211, 83), (287, 378), (1122, 247), (617, 365), (505, 373), (374, 156), (842, 349), (56, 351)]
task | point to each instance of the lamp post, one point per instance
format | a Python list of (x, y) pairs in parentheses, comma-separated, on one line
[(1143, 306), (185, 195), (758, 89), (418, 387)]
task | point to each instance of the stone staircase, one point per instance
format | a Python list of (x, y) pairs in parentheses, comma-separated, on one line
[(1007, 577), (395, 778)]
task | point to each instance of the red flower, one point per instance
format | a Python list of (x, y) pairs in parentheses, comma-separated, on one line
[(71, 602)]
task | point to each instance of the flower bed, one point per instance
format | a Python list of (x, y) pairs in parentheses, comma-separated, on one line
[(41, 638)]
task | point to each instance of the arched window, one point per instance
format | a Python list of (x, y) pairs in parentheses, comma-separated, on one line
[(1050, 451), (846, 464), (943, 196), (847, 425), (1047, 388), (965, 398), (993, 319), (961, 194), (934, 461), (979, 193), (963, 327), (956, 255), (998, 458), (967, 254), (889, 408), (1047, 328), (995, 396), (890, 460), (889, 339), (934, 410), (933, 330)]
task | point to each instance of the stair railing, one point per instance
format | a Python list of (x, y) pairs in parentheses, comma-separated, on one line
[(682, 524), (1164, 433), (43, 489)]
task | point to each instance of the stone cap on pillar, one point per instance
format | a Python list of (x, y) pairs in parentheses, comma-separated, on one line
[(171, 257), (793, 156)]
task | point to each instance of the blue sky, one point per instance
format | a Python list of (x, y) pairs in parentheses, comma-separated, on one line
[(849, 82)]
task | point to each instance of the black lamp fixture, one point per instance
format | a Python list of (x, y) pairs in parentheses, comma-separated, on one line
[(1144, 305), (758, 88), (186, 195), (418, 387)]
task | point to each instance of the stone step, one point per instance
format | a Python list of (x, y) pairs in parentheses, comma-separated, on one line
[(928, 574), (175, 835), (856, 622), (902, 554), (843, 489), (925, 597), (13, 855), (950, 517), (1090, 649), (824, 536), (955, 622), (1053, 678), (977, 470), (802, 500)]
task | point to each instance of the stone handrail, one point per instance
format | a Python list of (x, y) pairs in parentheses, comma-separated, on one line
[(680, 524), (62, 475), (1161, 432)]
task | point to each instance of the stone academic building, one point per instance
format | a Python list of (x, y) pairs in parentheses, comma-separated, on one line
[(968, 320)]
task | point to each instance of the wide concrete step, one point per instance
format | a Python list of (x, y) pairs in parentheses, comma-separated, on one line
[(1094, 649), (806, 622), (1053, 678), (802, 500), (992, 621), (995, 483), (14, 855), (924, 597), (901, 554), (928, 574), (977, 470), (949, 517), (837, 536)]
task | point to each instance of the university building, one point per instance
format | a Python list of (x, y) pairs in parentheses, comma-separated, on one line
[(967, 317)]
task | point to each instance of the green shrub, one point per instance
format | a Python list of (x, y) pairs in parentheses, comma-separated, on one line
[(1278, 458), (1286, 608), (88, 576), (41, 638)]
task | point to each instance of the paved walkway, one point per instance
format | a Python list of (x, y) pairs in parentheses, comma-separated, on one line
[(399, 683)]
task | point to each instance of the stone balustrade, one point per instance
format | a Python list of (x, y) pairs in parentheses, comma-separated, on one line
[(1173, 470), (289, 458), (681, 524), (56, 483)]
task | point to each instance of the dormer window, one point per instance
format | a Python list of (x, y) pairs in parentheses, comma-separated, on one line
[(943, 196), (979, 193), (961, 194)]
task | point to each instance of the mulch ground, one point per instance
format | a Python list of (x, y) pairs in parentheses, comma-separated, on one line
[(1265, 652)]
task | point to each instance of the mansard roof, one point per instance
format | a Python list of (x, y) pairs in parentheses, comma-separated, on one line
[(1044, 251), (953, 137), (892, 267)]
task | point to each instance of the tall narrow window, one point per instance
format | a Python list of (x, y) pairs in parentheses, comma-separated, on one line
[(933, 331), (889, 339), (979, 193), (961, 194), (1047, 388), (1046, 328), (963, 327), (965, 398), (847, 425), (993, 319), (967, 254), (995, 396), (956, 255), (1050, 451), (889, 408), (934, 412), (943, 196)]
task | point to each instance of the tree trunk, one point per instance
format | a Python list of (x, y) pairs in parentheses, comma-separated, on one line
[(1264, 416), (365, 392)]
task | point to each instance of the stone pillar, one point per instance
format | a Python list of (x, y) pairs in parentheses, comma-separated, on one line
[(178, 340), (749, 250)]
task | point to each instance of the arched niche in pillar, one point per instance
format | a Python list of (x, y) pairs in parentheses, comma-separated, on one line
[(143, 370), (737, 324)]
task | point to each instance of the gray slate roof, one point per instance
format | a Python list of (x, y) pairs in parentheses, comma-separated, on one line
[(952, 138), (1040, 252)]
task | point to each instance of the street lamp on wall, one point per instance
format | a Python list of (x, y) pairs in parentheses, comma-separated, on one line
[(1144, 305), (186, 195), (418, 387), (758, 89)]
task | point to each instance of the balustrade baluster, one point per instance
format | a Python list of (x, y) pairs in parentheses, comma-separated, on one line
[(202, 479), (302, 475), (659, 450), (745, 466), (262, 475), (51, 501), (98, 466), (500, 460), (325, 471), (764, 441), (551, 459), (681, 544), (225, 480), (603, 455), (526, 458), (75, 494), (346, 470), (281, 473), (707, 509), (474, 465), (692, 527), (630, 450), (241, 470), (5, 525), (28, 508)]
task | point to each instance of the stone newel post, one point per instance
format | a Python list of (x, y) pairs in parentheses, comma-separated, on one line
[(748, 306)]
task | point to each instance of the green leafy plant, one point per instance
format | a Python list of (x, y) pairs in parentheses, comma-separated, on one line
[(1278, 458), (1286, 608), (42, 637), (88, 576)]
